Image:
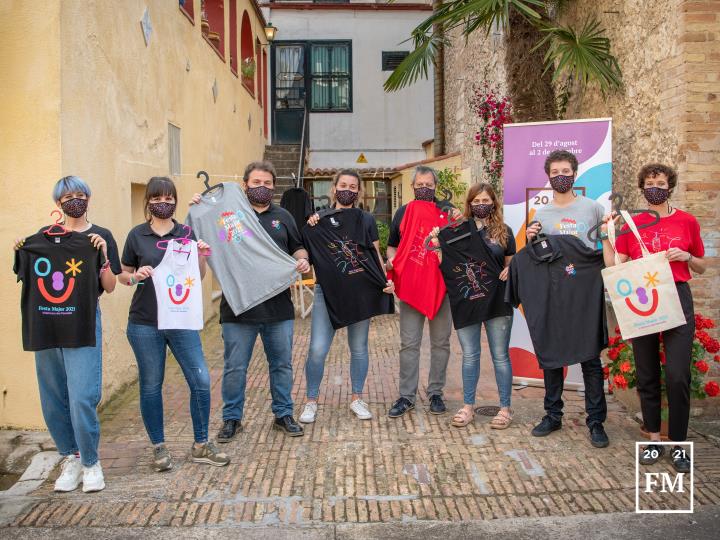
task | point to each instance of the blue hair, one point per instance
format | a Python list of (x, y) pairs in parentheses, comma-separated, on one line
[(70, 184)]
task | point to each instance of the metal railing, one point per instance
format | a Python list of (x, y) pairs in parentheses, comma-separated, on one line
[(303, 146)]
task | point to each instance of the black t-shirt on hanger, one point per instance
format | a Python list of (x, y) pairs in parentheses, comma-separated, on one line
[(297, 201), (471, 274), (559, 284), (347, 266), (60, 277)]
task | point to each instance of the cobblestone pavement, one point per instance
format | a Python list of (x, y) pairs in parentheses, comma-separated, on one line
[(344, 471)]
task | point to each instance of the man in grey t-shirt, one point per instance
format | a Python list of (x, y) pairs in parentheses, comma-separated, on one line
[(569, 213)]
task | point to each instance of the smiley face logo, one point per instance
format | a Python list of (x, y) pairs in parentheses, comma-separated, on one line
[(625, 289), (42, 269), (178, 297)]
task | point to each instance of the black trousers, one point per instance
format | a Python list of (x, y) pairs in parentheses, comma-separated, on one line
[(678, 352), (595, 404)]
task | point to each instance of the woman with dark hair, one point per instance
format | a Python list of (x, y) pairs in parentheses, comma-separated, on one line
[(484, 211), (70, 378), (678, 234), (345, 193), (140, 256)]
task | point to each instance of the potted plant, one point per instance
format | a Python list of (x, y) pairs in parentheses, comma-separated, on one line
[(621, 373), (247, 68)]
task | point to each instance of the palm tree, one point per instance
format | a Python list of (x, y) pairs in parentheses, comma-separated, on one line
[(581, 55)]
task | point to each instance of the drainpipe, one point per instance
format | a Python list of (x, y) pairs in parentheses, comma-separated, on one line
[(439, 90)]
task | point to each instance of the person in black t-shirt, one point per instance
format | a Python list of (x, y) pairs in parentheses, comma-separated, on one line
[(495, 253), (345, 192), (273, 320), (70, 378), (140, 256)]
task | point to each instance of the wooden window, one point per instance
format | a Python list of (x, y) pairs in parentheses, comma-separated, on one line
[(258, 70), (331, 76), (174, 165), (233, 37), (212, 21), (187, 7), (264, 90), (247, 55)]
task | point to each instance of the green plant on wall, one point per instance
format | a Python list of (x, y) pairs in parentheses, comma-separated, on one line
[(384, 234), (449, 181)]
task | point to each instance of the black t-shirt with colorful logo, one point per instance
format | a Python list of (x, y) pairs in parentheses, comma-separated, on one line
[(347, 266), (471, 272), (60, 277), (558, 281)]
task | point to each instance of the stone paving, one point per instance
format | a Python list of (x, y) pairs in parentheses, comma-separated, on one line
[(343, 470)]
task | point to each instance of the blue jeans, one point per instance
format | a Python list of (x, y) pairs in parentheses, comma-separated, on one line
[(321, 336), (239, 341), (150, 347), (70, 382), (498, 334)]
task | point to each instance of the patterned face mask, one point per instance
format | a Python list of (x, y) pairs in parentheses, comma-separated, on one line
[(424, 194), (162, 210), (75, 208), (260, 196), (656, 195), (481, 211), (346, 197), (562, 184)]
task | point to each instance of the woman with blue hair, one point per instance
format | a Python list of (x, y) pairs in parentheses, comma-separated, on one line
[(70, 379)]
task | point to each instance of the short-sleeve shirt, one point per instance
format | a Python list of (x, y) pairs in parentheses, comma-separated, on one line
[(680, 230), (394, 237), (141, 250), (576, 219), (281, 227)]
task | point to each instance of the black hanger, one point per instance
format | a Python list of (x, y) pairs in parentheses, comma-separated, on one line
[(208, 187), (541, 238), (618, 204), (451, 224)]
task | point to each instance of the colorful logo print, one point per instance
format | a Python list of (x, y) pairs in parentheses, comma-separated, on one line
[(625, 289), (276, 224), (473, 279), (348, 256), (231, 227), (181, 292), (43, 268), (570, 270)]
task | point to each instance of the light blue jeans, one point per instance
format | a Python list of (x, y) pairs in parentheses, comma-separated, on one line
[(498, 334), (150, 347), (70, 382), (321, 336)]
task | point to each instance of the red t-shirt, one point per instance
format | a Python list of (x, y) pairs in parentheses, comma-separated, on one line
[(416, 271), (679, 230)]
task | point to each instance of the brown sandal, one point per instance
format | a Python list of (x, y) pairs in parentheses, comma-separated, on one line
[(462, 418), (502, 420)]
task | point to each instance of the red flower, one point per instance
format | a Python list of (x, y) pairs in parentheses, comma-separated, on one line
[(614, 341), (702, 366), (606, 372), (610, 388), (613, 354), (620, 381), (625, 367), (617, 329), (716, 358), (713, 346), (712, 389), (662, 358)]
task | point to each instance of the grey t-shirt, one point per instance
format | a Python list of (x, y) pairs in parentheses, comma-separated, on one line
[(576, 219), (248, 264)]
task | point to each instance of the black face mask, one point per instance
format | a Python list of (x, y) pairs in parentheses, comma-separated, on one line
[(260, 196), (656, 195), (481, 211), (346, 197), (162, 210), (424, 194), (75, 208), (561, 183)]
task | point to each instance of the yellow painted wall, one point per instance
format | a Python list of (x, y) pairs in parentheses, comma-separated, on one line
[(95, 101), (453, 162)]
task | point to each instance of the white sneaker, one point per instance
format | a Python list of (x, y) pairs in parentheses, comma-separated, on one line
[(70, 474), (309, 412), (360, 408), (93, 479)]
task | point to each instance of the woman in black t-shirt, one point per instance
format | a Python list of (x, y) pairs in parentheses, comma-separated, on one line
[(70, 378), (482, 206), (345, 193)]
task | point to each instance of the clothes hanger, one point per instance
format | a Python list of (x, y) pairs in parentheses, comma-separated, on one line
[(163, 244), (64, 230), (451, 224), (208, 187), (618, 204), (541, 238)]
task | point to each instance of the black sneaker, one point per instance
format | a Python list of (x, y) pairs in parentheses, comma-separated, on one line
[(229, 429), (680, 459), (400, 407), (651, 453), (437, 405), (598, 437), (546, 426), (289, 426)]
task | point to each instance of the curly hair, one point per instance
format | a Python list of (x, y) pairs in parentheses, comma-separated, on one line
[(496, 228), (651, 170), (561, 155)]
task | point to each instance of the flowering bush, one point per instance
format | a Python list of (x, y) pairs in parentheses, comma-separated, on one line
[(621, 373), (493, 110)]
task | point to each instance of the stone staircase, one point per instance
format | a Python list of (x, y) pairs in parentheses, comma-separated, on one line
[(285, 157)]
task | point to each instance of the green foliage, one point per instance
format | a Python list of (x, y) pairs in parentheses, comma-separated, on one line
[(584, 54), (450, 184), (383, 233)]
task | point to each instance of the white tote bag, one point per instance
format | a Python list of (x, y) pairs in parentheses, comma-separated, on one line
[(643, 291)]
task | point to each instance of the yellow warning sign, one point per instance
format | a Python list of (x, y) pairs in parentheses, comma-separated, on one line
[(361, 158)]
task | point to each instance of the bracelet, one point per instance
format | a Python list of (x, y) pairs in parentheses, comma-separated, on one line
[(133, 281)]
